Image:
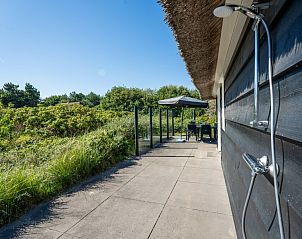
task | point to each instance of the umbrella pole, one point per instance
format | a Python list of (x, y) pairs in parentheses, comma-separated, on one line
[(182, 121)]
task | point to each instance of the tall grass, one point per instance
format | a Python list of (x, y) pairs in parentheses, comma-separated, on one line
[(25, 182)]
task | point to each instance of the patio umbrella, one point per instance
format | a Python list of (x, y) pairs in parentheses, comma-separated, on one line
[(183, 101)]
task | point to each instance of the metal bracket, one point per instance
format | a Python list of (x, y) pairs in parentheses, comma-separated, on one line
[(256, 24), (263, 5), (261, 123)]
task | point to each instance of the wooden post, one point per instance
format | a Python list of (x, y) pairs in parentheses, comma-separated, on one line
[(151, 127), (160, 127), (136, 133)]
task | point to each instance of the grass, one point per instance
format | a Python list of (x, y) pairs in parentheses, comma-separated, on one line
[(31, 176)]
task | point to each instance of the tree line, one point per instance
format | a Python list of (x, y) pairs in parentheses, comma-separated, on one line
[(14, 97), (119, 98)]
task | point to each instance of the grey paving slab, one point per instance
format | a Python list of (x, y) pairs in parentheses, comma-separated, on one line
[(144, 160), (155, 170), (170, 152), (67, 236), (171, 161), (63, 218), (119, 218), (132, 169), (202, 175), (151, 189), (181, 223), (37, 233), (179, 145), (206, 153), (211, 198), (208, 163)]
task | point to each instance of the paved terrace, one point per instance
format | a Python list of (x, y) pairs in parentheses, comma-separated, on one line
[(175, 191)]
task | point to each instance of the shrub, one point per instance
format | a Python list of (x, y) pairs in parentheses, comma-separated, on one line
[(25, 181)]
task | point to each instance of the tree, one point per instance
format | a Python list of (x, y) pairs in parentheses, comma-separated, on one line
[(171, 91), (31, 96), (76, 97), (124, 99), (91, 99), (55, 99), (11, 95)]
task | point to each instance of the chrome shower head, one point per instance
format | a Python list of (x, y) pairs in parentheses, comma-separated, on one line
[(223, 11), (227, 10)]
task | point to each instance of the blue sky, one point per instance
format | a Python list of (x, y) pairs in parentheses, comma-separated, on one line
[(87, 45)]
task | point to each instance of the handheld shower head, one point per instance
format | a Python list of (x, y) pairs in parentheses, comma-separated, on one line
[(223, 11)]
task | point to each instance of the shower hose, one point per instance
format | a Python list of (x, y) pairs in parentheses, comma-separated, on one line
[(248, 196)]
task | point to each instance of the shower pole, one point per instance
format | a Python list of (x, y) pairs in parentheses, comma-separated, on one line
[(256, 72)]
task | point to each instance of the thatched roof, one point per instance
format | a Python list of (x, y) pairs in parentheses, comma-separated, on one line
[(197, 33)]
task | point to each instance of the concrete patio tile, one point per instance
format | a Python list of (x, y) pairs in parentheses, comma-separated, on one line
[(202, 175), (205, 153), (170, 152), (150, 189), (135, 168), (171, 161), (119, 178), (155, 170), (204, 163), (211, 198), (119, 218), (68, 236), (145, 160), (181, 223), (48, 219), (204, 146), (180, 145), (37, 233)]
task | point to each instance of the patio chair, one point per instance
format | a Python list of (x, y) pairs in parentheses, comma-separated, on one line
[(215, 131), (191, 130), (206, 129)]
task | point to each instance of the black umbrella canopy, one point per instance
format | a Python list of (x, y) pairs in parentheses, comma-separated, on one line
[(184, 101)]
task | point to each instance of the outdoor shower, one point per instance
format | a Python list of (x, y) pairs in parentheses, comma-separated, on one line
[(259, 165)]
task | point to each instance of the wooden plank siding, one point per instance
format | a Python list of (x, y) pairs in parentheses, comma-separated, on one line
[(239, 137)]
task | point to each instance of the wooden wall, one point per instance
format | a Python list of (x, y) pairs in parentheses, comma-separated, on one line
[(285, 18)]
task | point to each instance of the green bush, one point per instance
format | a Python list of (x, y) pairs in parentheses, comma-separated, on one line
[(26, 179), (25, 125)]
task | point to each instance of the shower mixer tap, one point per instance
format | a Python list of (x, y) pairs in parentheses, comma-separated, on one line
[(258, 165)]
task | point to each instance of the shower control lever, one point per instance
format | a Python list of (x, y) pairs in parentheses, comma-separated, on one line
[(259, 165)]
